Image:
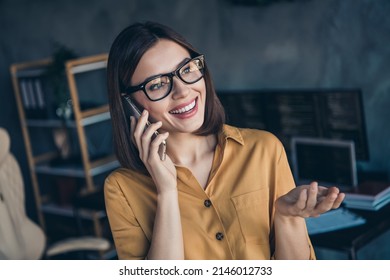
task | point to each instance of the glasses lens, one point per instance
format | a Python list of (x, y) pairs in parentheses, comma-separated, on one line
[(158, 87), (192, 71)]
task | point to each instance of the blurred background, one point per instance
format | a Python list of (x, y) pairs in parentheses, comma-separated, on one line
[(248, 45)]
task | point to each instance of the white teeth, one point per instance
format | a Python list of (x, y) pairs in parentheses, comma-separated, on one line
[(184, 109)]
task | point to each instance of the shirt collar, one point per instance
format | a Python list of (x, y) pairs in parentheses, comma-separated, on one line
[(232, 133)]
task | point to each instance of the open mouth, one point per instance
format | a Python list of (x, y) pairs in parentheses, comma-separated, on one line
[(186, 109)]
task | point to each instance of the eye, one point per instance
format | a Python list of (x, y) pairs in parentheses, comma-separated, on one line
[(157, 84), (191, 67), (186, 69)]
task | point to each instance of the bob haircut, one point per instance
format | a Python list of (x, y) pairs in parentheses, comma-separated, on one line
[(125, 53)]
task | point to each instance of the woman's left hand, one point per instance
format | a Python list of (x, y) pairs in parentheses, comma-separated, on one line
[(309, 201)]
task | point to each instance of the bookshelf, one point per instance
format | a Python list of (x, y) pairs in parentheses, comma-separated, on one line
[(87, 133)]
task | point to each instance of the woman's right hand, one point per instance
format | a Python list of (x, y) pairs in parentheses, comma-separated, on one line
[(163, 172), (167, 238)]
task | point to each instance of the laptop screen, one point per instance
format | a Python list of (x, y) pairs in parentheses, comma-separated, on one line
[(329, 162)]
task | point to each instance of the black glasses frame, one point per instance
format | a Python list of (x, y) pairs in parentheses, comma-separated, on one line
[(175, 73)]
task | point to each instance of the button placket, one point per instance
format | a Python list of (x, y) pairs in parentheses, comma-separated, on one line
[(219, 235)]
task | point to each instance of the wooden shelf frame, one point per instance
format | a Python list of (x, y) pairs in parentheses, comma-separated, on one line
[(39, 164)]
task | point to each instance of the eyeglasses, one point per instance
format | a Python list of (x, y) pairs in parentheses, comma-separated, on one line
[(159, 87)]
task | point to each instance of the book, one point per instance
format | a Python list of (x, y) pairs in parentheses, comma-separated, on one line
[(333, 220), (369, 196)]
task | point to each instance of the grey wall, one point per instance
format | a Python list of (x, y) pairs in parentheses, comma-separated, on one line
[(303, 44)]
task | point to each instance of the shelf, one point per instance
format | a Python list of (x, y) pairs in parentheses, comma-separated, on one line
[(60, 171), (111, 165), (68, 211), (30, 69), (49, 123), (37, 115), (88, 67), (89, 119), (32, 73), (101, 116), (86, 64), (97, 167)]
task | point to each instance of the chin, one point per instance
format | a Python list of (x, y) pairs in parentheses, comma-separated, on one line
[(189, 128)]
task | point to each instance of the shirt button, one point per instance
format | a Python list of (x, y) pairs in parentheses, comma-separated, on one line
[(207, 203), (219, 236)]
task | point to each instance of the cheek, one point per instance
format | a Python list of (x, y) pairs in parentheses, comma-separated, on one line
[(141, 99), (200, 87), (156, 114), (155, 109), (144, 102), (203, 94)]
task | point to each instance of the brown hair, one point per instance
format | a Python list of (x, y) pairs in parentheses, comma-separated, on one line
[(125, 54)]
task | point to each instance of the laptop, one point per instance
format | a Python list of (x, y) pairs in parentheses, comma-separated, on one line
[(330, 162)]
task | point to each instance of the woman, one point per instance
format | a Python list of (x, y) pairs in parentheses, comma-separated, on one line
[(220, 192)]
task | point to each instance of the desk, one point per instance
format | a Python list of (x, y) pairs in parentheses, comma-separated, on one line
[(350, 240)]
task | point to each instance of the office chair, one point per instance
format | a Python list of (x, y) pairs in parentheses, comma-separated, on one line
[(20, 237)]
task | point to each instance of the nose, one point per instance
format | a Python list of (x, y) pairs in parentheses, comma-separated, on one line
[(179, 88)]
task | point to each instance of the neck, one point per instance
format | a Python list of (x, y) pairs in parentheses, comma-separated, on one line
[(186, 149)]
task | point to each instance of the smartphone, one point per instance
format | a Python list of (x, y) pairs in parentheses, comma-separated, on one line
[(137, 114)]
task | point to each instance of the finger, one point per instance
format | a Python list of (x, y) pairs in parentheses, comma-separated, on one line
[(301, 202), (323, 192), (132, 128), (155, 145), (141, 124), (339, 197), (338, 200), (135, 134), (139, 130), (147, 138), (312, 196), (151, 130), (333, 190), (143, 146), (327, 203)]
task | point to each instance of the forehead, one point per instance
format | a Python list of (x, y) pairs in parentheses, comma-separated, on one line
[(163, 57)]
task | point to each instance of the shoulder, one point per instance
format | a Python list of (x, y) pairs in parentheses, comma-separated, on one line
[(264, 142), (254, 143), (254, 137), (117, 175), (257, 135), (123, 177)]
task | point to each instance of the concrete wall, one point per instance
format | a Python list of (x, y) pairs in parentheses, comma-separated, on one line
[(302, 44)]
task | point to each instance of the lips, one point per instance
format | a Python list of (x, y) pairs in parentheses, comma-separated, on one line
[(183, 109)]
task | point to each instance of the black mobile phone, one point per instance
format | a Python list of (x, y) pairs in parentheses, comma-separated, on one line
[(137, 114)]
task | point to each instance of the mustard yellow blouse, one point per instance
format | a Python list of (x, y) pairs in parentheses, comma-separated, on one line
[(232, 218)]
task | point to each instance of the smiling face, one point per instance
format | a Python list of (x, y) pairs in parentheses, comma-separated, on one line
[(183, 109)]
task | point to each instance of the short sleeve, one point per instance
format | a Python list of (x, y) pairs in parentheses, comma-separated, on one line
[(130, 240)]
